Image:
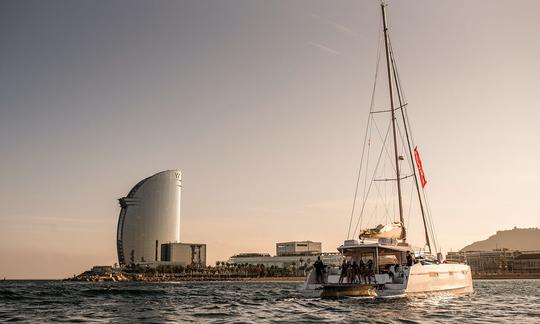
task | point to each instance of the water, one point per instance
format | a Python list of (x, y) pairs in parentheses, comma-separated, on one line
[(516, 301)]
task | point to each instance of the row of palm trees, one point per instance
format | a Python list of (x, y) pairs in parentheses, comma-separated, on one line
[(225, 269), (261, 270)]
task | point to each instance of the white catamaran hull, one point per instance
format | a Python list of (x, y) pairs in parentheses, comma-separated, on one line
[(417, 280), (439, 278)]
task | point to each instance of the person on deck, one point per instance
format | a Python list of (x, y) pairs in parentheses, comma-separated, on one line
[(410, 259), (370, 272), (396, 268), (362, 272), (319, 270), (355, 271), (349, 272), (343, 274)]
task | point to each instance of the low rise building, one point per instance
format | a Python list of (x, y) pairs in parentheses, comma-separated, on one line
[(298, 248), (528, 261), (289, 254), (185, 254), (498, 261), (285, 261)]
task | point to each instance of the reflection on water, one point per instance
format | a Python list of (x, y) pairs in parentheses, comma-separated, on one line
[(493, 301)]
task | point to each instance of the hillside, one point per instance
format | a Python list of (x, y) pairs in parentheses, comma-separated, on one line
[(523, 239)]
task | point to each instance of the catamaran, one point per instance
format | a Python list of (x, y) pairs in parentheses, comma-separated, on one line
[(385, 264)]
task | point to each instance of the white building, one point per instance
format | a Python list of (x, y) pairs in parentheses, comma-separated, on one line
[(298, 248), (297, 253), (150, 216), (285, 261), (184, 254)]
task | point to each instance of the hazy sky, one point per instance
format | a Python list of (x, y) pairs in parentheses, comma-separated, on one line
[(263, 105)]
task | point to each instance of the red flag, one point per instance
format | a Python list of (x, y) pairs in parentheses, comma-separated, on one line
[(419, 166)]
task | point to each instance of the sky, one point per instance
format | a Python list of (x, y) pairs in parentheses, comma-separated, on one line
[(263, 106)]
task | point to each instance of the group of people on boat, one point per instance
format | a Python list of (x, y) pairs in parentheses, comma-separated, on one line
[(357, 272)]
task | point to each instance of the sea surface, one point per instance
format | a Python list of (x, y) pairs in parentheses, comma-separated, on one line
[(494, 301)]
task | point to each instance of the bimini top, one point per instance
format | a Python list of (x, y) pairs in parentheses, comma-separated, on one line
[(394, 231)]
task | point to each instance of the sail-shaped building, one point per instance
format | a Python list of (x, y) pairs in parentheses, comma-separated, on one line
[(149, 217)]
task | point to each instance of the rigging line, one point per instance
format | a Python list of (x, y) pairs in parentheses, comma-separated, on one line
[(411, 171), (397, 74), (430, 219), (379, 52), (410, 163), (401, 137), (360, 217), (398, 79), (367, 165), (371, 183), (402, 92), (385, 148), (388, 110), (410, 205), (365, 192), (393, 195), (384, 202), (384, 199), (428, 211), (372, 214), (393, 179), (405, 147), (434, 231), (385, 195), (358, 180)]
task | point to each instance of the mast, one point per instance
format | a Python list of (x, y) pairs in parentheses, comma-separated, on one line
[(409, 147), (392, 109)]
